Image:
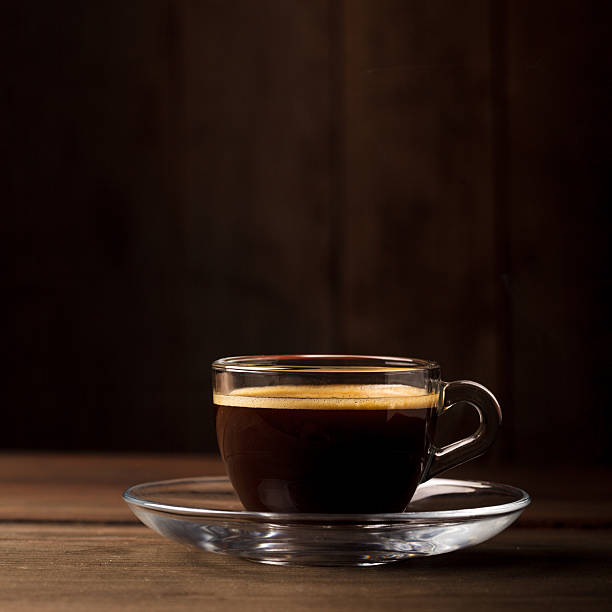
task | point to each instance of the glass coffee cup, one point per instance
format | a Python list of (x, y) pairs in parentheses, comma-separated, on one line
[(339, 433)]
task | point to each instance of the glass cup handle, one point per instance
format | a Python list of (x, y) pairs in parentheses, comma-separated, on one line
[(489, 412)]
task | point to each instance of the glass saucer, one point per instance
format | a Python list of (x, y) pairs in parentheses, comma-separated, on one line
[(444, 515)]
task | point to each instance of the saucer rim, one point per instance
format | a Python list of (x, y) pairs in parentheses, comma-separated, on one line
[(481, 512)]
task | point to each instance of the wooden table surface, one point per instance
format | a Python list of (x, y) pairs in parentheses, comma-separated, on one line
[(68, 542)]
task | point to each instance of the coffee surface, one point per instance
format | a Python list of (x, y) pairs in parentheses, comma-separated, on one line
[(325, 448), (329, 397)]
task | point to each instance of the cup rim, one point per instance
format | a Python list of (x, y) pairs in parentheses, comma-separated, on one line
[(318, 363)]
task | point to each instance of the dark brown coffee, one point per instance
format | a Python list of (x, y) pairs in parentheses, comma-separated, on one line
[(325, 448)]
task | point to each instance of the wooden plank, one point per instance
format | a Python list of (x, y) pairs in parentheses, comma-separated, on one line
[(85, 488), (96, 568), (255, 188), (420, 261), (88, 488), (170, 175), (94, 234), (563, 497), (558, 73), (93, 469)]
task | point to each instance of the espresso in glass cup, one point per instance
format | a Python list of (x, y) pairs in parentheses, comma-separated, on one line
[(339, 433)]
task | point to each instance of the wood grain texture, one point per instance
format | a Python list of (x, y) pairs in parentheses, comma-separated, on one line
[(419, 215), (94, 232), (256, 186), (558, 75), (65, 544), (87, 488), (191, 179), (169, 174), (421, 274), (107, 567)]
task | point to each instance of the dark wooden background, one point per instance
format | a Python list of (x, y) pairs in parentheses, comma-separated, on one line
[(195, 179)]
